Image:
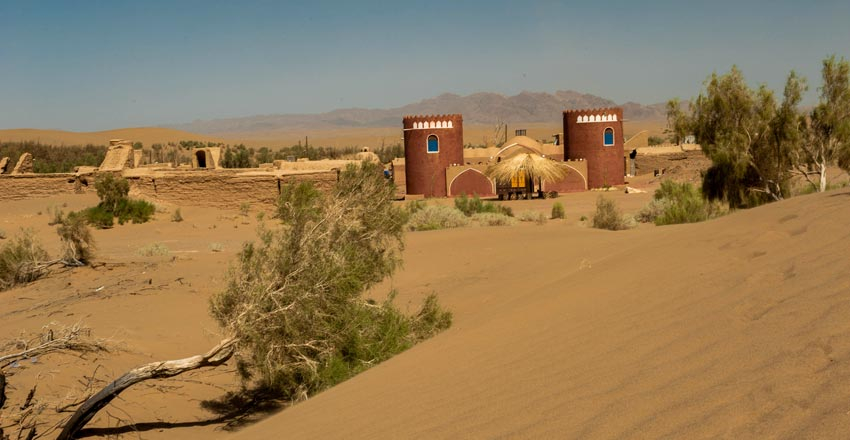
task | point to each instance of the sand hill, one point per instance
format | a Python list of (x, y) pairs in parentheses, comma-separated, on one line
[(733, 328), (145, 135), (736, 328)]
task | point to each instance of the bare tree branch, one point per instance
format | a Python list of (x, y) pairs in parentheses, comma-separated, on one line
[(154, 370)]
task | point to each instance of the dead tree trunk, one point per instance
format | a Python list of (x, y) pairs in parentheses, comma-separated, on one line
[(154, 370), (2, 393)]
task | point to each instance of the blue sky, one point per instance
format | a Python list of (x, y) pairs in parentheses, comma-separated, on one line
[(86, 65)]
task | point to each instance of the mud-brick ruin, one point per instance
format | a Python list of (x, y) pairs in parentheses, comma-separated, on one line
[(201, 183)]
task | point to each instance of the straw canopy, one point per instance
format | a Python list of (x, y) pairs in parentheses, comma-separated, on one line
[(535, 167)]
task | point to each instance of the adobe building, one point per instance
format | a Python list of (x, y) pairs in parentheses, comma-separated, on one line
[(432, 143), (435, 163), (596, 135)]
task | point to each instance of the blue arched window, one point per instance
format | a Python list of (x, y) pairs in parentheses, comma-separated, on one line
[(433, 144), (608, 137)]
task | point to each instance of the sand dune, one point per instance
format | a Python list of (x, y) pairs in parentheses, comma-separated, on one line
[(736, 328), (145, 135)]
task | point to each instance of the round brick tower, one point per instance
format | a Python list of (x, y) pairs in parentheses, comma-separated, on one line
[(596, 135), (431, 144)]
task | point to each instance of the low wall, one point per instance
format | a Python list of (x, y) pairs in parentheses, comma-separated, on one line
[(469, 180), (667, 149), (575, 181), (222, 189), (32, 186)]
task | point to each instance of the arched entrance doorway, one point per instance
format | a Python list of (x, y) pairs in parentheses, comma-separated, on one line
[(201, 157)]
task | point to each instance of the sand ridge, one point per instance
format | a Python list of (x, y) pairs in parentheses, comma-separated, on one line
[(733, 328)]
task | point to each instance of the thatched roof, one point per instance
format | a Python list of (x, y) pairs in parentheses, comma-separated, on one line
[(533, 165)]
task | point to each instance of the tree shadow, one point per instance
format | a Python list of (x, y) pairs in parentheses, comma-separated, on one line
[(234, 410)]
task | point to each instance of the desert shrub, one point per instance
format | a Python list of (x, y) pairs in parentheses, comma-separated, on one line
[(77, 241), (654, 209), (216, 247), (21, 260), (558, 210), (493, 219), (177, 216), (469, 206), (98, 217), (245, 209), (111, 190), (153, 250), (57, 216), (414, 206), (294, 299), (532, 216), (608, 216), (655, 140), (583, 218), (2, 234), (137, 211), (433, 217), (675, 203)]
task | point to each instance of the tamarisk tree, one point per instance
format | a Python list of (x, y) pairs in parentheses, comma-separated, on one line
[(827, 127), (747, 137)]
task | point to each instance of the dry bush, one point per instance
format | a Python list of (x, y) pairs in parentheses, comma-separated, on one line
[(153, 250), (474, 205), (532, 216), (558, 210), (77, 241), (431, 217), (294, 300), (675, 203), (608, 216), (21, 260), (177, 216), (493, 219), (57, 216)]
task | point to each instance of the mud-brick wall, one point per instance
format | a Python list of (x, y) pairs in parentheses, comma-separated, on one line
[(222, 190), (31, 186)]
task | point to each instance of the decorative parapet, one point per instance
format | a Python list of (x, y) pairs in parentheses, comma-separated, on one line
[(429, 122)]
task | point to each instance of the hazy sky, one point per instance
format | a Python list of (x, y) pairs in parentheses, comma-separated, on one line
[(92, 65)]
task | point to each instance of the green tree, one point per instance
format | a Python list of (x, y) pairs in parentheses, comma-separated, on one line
[(677, 122), (747, 136), (294, 300), (111, 190), (828, 126)]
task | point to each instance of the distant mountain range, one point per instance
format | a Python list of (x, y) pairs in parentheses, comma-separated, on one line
[(478, 108)]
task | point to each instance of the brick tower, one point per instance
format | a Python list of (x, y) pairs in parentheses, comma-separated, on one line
[(431, 144), (596, 135)]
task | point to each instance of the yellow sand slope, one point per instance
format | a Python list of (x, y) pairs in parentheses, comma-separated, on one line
[(145, 135), (735, 328)]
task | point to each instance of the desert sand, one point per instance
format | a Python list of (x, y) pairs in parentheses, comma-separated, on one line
[(733, 328)]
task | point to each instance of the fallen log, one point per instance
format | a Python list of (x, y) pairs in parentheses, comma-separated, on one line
[(154, 370)]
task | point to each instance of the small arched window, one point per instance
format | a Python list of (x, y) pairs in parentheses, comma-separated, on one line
[(608, 137), (433, 144)]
